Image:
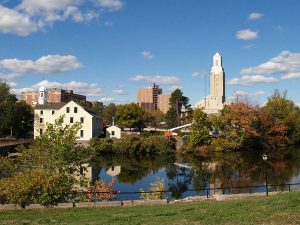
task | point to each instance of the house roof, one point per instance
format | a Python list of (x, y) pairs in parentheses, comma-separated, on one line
[(50, 105)]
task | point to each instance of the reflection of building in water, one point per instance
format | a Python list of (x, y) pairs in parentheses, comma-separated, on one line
[(215, 101), (113, 171)]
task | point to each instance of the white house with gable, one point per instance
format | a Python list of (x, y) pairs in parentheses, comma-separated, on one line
[(48, 112)]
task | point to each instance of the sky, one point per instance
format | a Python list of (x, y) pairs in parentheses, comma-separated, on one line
[(107, 49)]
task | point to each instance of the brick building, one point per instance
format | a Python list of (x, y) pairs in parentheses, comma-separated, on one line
[(147, 98), (52, 96)]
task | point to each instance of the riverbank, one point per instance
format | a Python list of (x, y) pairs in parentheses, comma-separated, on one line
[(283, 208)]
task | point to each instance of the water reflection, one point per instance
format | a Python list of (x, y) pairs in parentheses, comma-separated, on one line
[(198, 172)]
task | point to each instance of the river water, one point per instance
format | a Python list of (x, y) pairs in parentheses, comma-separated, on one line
[(191, 174)]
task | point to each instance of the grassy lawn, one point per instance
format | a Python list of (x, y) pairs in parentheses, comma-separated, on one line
[(283, 208)]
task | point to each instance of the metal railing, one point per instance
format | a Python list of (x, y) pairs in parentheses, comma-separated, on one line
[(208, 191)]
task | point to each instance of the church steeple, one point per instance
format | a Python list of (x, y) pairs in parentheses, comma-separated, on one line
[(217, 78), (42, 95)]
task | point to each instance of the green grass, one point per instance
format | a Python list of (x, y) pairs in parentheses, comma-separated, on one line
[(283, 208)]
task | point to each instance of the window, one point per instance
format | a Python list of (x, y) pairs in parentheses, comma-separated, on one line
[(41, 120), (81, 120), (113, 133), (41, 112), (81, 133), (41, 131), (75, 109), (53, 112), (71, 120), (68, 109)]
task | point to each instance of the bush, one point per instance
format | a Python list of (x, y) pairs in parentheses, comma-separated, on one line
[(36, 186), (134, 145)]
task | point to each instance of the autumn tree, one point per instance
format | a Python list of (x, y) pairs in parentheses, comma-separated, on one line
[(282, 109)]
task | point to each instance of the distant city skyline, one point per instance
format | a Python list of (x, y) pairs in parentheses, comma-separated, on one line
[(107, 49)]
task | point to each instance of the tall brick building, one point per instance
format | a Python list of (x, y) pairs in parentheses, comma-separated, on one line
[(151, 99), (147, 98), (53, 96)]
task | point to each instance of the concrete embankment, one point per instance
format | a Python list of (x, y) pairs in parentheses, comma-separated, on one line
[(130, 203)]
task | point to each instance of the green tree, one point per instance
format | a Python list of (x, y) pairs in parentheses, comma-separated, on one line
[(171, 118), (131, 116), (178, 101), (201, 127), (16, 118)]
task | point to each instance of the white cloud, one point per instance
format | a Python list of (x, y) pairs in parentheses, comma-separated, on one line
[(90, 90), (120, 92), (47, 64), (30, 16), (246, 34), (291, 76), (173, 80), (12, 21), (199, 74), (245, 93), (248, 46), (174, 87), (285, 62), (250, 80), (111, 4), (255, 16), (147, 55), (106, 99)]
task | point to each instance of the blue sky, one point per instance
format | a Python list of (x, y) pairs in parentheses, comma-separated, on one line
[(107, 49)]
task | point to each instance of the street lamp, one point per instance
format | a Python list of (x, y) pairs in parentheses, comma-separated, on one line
[(265, 159)]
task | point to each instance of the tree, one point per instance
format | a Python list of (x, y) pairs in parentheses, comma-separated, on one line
[(178, 101), (171, 118), (45, 172), (283, 109), (131, 115), (201, 126), (16, 118), (109, 112)]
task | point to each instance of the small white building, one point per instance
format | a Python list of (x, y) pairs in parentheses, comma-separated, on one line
[(72, 112), (113, 132)]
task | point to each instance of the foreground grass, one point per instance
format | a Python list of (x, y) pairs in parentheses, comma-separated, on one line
[(283, 208)]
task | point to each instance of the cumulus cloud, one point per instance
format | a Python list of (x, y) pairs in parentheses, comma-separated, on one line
[(147, 55), (246, 34), (285, 62), (12, 21), (120, 92), (291, 76), (30, 16), (172, 80), (255, 16), (11, 68), (90, 90), (250, 80), (111, 4)]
